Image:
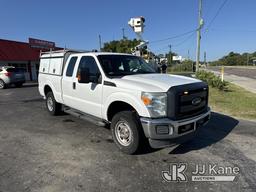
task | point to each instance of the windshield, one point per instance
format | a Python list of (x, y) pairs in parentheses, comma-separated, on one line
[(120, 65)]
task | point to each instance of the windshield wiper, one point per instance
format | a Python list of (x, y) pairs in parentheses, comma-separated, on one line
[(143, 72), (119, 73)]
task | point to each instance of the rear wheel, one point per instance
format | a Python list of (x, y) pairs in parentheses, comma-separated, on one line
[(127, 132), (2, 84), (53, 107)]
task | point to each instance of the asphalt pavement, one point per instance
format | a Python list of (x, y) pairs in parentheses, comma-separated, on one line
[(39, 152), (242, 71), (242, 76)]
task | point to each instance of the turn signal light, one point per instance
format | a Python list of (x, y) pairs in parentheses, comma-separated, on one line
[(146, 100)]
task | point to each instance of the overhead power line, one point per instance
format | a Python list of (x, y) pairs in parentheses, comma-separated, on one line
[(184, 41), (234, 30), (217, 13), (177, 44), (173, 37), (180, 42)]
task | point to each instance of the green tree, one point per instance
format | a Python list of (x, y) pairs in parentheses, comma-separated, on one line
[(169, 57), (235, 59), (120, 46)]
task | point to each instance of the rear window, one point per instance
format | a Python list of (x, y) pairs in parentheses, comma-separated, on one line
[(71, 66), (16, 70)]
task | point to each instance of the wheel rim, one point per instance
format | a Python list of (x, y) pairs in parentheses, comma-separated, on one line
[(50, 104), (123, 133), (1, 84)]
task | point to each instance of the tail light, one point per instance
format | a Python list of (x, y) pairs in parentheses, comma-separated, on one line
[(8, 74)]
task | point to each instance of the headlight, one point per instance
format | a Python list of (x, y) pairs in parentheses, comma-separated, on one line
[(156, 103)]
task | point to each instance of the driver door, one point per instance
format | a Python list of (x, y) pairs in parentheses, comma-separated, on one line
[(89, 95)]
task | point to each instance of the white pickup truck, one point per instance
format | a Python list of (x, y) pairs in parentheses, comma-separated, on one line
[(123, 91)]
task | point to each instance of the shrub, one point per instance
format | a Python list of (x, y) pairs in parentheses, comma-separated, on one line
[(212, 80), (185, 66)]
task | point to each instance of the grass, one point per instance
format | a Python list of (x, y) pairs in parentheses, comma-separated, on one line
[(235, 102)]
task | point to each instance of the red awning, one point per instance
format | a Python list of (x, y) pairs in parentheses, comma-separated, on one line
[(17, 51)]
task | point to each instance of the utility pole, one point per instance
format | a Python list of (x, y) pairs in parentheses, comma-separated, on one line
[(200, 24), (123, 33), (205, 58), (170, 46), (247, 59), (100, 41), (192, 63)]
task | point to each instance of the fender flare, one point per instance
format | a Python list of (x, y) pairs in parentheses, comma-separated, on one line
[(56, 95), (126, 98)]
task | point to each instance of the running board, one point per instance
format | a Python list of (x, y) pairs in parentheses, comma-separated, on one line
[(95, 120)]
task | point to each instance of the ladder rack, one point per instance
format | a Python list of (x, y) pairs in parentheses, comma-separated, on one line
[(63, 51)]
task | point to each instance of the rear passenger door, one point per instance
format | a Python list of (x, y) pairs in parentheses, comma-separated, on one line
[(68, 85)]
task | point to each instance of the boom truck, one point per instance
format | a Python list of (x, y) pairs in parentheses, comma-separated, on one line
[(141, 106)]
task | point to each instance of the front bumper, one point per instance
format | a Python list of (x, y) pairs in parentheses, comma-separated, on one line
[(166, 132)]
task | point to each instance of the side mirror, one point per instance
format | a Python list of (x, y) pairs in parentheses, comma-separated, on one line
[(83, 75)]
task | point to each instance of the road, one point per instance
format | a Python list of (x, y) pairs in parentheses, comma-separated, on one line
[(39, 152), (242, 76), (249, 72)]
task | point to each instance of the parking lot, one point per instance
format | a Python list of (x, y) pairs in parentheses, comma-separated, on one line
[(39, 152)]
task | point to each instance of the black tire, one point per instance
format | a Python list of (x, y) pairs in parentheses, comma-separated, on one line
[(56, 107), (135, 143), (18, 84), (2, 84)]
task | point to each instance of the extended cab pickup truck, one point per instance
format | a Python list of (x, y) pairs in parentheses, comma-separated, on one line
[(123, 91)]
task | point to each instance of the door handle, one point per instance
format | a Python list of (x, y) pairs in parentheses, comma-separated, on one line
[(74, 85)]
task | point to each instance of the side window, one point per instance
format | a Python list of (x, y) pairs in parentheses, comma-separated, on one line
[(71, 66), (90, 63)]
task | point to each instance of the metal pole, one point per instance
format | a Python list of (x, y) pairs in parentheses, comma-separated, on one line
[(100, 41), (170, 46), (199, 35), (205, 58), (247, 59), (222, 73), (123, 33)]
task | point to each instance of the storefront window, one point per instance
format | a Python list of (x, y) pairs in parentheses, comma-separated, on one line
[(20, 65)]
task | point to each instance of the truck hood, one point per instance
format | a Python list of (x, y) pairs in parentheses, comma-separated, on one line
[(152, 82)]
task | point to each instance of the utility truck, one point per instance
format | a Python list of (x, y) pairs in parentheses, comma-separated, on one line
[(124, 92)]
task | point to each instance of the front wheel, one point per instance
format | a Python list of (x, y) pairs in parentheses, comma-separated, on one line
[(127, 132), (53, 107)]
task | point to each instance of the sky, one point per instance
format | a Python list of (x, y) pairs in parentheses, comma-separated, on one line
[(77, 24)]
